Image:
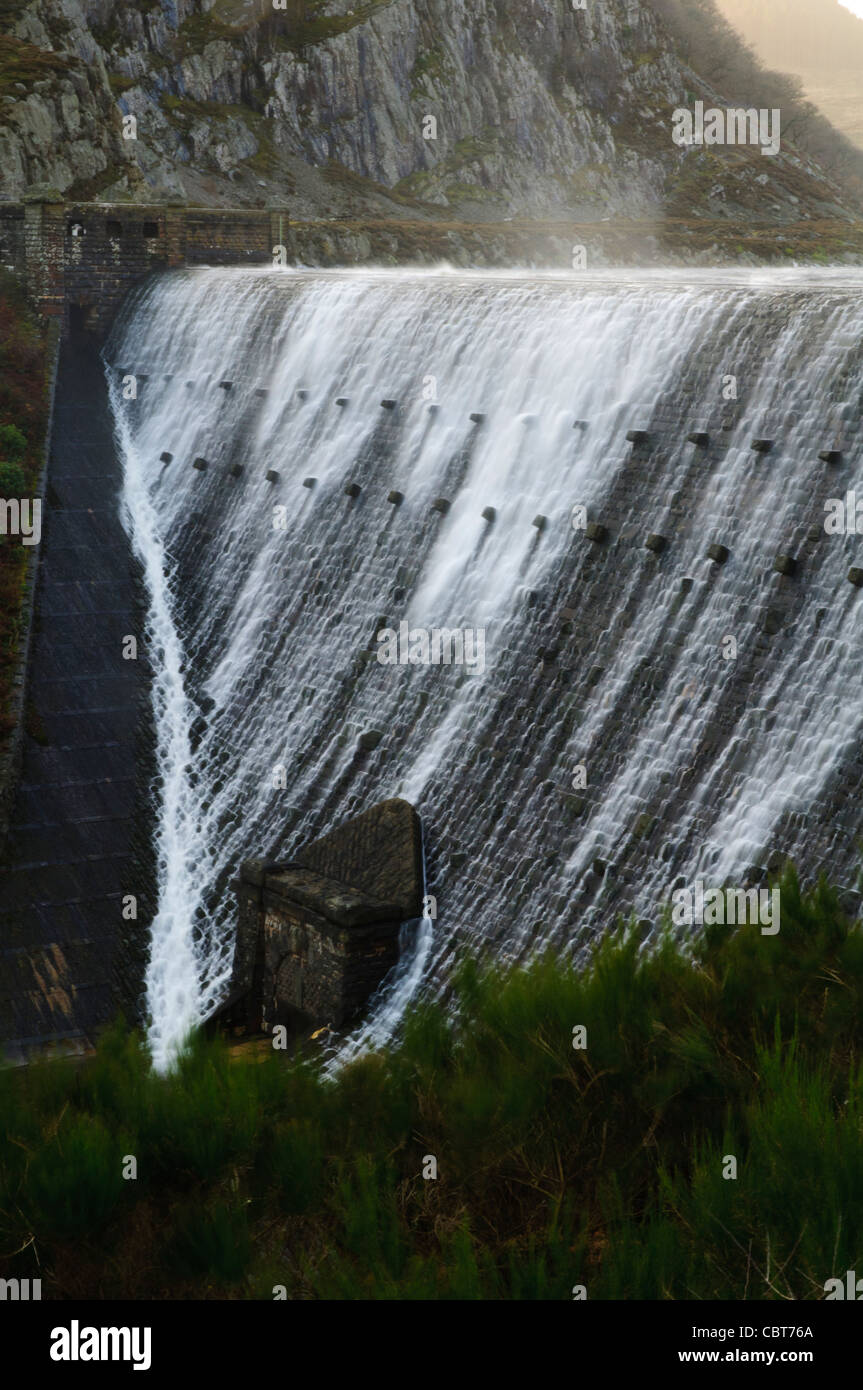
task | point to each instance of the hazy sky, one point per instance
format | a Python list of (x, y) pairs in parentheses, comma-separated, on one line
[(816, 40)]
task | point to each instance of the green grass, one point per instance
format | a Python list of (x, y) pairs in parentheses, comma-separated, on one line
[(120, 84), (304, 23), (198, 30), (603, 1167), (24, 62), (430, 63)]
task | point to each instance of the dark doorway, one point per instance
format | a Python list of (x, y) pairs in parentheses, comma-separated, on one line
[(80, 320)]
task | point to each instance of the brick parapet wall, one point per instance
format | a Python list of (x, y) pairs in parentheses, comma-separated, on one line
[(80, 259)]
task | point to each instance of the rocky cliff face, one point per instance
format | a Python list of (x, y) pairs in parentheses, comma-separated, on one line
[(484, 109)]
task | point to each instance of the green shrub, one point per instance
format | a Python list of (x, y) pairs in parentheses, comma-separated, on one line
[(297, 1165), (12, 480), (556, 1166), (209, 1241), (74, 1178), (13, 443), (202, 1117)]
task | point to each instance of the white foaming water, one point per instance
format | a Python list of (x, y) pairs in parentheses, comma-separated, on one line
[(260, 622)]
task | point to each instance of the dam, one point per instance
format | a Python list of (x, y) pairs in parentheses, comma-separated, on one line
[(620, 478)]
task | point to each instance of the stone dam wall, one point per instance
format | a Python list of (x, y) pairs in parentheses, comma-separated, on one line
[(563, 652), (649, 536), (73, 801)]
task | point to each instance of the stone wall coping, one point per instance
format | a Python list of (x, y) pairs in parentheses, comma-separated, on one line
[(378, 852), (337, 902), (180, 208), (254, 871)]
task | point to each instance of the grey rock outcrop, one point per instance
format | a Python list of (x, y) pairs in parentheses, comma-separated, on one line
[(410, 109)]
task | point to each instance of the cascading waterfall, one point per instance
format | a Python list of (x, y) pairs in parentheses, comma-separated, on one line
[(265, 597)]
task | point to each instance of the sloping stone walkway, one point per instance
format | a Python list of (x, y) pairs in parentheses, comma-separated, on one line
[(68, 960)]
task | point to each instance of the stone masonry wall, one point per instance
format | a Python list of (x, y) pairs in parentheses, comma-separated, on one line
[(316, 936), (317, 970), (80, 259), (293, 965), (12, 252)]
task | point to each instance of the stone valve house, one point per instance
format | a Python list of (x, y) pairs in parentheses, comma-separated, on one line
[(317, 935)]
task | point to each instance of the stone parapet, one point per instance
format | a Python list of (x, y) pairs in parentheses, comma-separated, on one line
[(79, 260)]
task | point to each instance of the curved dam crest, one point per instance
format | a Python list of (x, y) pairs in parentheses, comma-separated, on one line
[(670, 689)]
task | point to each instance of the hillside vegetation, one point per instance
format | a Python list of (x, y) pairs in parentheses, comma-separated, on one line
[(712, 45), (605, 1166)]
